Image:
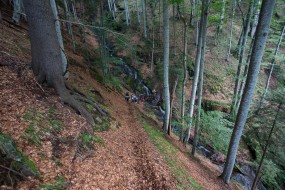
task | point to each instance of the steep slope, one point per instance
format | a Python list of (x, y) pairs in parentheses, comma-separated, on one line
[(51, 134)]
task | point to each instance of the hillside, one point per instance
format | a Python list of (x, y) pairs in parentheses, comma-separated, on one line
[(123, 157), (126, 148)]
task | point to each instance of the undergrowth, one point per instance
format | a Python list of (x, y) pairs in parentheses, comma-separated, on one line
[(215, 130), (169, 151)]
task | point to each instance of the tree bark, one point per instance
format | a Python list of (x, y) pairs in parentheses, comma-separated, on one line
[(126, 12), (244, 75), (166, 64), (257, 4), (144, 19), (201, 78), (59, 37), (204, 12), (231, 29), (171, 104), (184, 79), (220, 26), (45, 48), (243, 48), (256, 57)]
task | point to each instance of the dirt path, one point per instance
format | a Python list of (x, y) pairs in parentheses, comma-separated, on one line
[(128, 160)]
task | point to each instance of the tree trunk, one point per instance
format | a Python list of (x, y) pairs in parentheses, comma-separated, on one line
[(184, 80), (256, 57), (59, 36), (201, 78), (137, 11), (257, 4), (174, 33), (68, 24), (126, 12), (256, 179), (197, 25), (166, 64), (144, 19), (18, 10), (220, 26), (231, 29), (193, 12), (171, 104), (204, 13), (244, 75), (243, 48), (45, 48), (271, 70)]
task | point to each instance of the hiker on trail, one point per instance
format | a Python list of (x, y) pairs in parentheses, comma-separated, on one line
[(134, 98), (127, 96)]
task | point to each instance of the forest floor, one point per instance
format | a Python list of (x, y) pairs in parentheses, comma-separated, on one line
[(124, 157)]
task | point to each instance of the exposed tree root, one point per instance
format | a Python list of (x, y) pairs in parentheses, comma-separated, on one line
[(83, 97), (100, 110), (67, 98)]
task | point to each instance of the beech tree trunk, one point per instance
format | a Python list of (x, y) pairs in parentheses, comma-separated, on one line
[(166, 64), (201, 78), (127, 12), (46, 53), (243, 48), (257, 4), (252, 77), (220, 26), (244, 75), (144, 19), (18, 10), (231, 29), (59, 37), (204, 12), (171, 104), (184, 79)]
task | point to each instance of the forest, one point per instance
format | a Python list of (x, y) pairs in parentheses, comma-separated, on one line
[(142, 94)]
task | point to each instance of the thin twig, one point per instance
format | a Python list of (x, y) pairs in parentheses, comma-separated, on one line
[(91, 26), (242, 15), (39, 85), (9, 169)]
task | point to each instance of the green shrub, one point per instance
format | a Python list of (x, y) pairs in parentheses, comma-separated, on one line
[(270, 173), (215, 130)]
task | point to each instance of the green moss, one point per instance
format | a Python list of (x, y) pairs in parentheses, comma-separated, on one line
[(18, 161), (168, 150)]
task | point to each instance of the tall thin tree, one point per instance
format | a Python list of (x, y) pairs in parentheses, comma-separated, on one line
[(166, 64), (205, 4), (252, 76), (201, 78)]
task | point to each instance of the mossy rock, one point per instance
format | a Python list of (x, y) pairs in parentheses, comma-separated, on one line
[(15, 160), (211, 105)]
